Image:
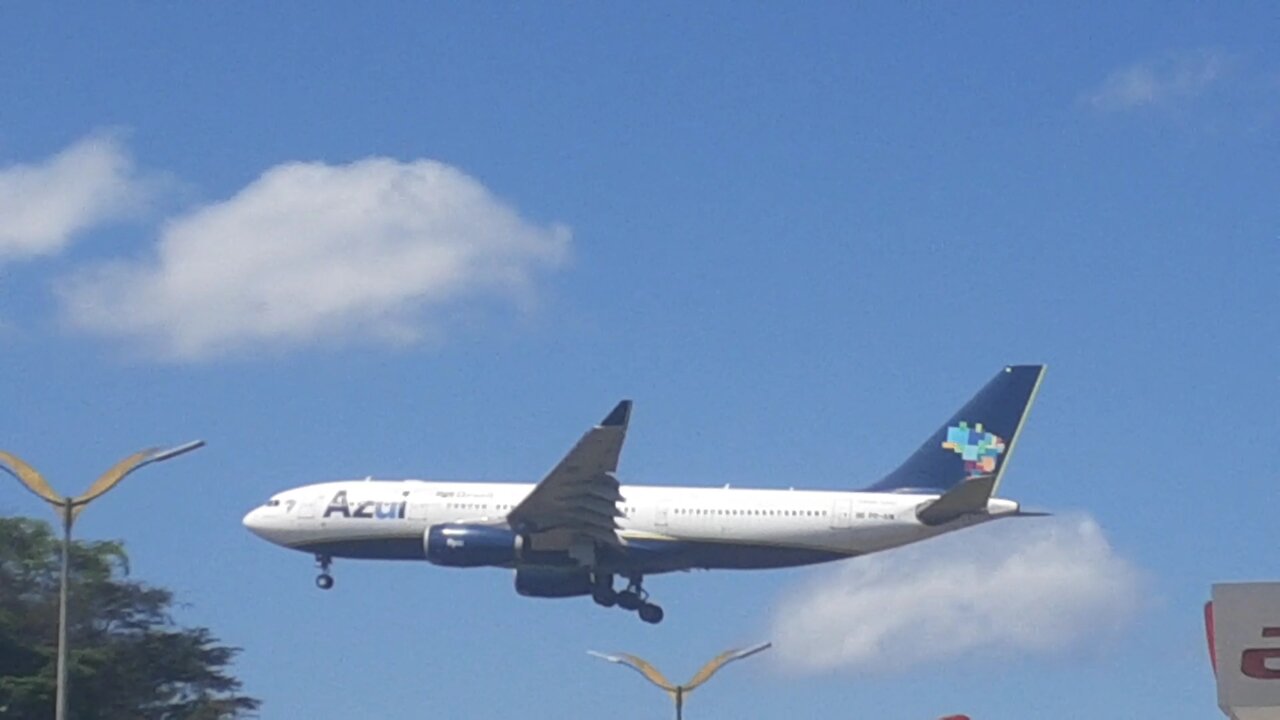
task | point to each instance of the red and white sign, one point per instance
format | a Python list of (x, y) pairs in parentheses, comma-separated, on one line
[(1243, 625)]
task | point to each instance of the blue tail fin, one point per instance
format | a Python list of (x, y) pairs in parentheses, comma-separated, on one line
[(977, 440)]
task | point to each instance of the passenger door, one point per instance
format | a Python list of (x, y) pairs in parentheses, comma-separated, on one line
[(419, 509), (841, 513), (307, 509)]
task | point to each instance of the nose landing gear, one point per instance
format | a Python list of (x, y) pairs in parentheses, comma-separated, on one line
[(324, 580)]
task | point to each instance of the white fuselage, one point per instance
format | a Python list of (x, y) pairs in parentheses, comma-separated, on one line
[(734, 528)]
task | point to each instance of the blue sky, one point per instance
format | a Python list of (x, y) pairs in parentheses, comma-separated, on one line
[(798, 238)]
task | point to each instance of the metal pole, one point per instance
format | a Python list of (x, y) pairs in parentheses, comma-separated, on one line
[(679, 702), (32, 480), (60, 706)]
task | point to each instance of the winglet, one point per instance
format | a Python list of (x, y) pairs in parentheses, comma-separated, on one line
[(619, 416)]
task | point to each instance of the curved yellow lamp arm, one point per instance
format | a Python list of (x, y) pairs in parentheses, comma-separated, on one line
[(720, 661), (108, 480), (120, 470), (30, 479), (650, 672)]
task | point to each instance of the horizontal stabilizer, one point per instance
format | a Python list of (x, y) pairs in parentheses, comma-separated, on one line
[(969, 496)]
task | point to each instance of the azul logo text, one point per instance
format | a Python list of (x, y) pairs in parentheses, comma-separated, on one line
[(368, 509)]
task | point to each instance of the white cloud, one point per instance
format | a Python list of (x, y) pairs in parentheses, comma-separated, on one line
[(1157, 82), (312, 253), (1017, 586), (43, 205)]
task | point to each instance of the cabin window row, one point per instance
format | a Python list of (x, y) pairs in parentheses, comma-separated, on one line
[(477, 506), (755, 513)]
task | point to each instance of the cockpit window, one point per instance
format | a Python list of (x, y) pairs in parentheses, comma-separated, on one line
[(273, 503)]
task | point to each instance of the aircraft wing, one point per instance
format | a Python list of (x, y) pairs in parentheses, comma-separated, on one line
[(580, 495)]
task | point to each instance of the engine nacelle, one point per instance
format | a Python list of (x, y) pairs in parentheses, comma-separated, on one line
[(552, 583), (458, 545)]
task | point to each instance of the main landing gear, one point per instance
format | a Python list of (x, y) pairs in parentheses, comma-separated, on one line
[(324, 580), (634, 598)]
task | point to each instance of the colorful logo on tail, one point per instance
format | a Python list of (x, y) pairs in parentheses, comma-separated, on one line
[(977, 447)]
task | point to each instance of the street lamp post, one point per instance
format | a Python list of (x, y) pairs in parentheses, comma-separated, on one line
[(68, 509), (677, 692)]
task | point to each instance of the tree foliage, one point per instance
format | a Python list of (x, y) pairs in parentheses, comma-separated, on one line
[(127, 658)]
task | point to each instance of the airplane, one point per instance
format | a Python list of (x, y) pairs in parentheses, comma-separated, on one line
[(579, 528)]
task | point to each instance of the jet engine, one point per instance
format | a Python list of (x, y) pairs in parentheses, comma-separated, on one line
[(552, 582), (458, 545)]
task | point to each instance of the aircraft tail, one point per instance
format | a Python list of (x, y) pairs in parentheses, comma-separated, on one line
[(976, 442)]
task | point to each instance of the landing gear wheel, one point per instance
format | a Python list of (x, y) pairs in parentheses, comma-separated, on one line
[(324, 580), (634, 597), (651, 614), (602, 590)]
